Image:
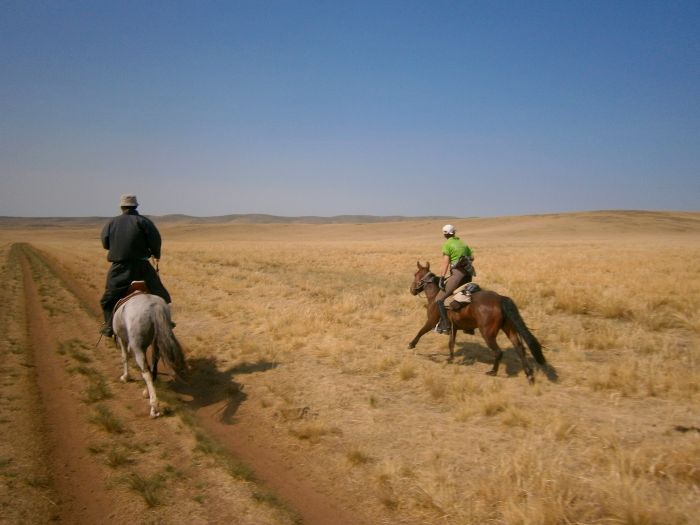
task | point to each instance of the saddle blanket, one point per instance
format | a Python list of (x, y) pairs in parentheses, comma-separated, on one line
[(462, 296), (135, 288)]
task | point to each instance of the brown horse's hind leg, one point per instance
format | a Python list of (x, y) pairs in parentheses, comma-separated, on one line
[(498, 353), (520, 349)]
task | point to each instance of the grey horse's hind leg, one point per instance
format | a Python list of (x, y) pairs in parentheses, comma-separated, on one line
[(154, 366), (140, 357), (122, 346)]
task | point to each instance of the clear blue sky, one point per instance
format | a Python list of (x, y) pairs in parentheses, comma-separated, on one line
[(324, 108)]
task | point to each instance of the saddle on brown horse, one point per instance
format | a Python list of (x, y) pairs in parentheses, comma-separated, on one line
[(462, 296)]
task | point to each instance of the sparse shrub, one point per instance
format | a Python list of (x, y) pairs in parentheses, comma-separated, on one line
[(311, 431), (407, 371), (435, 385), (494, 404), (239, 470), (149, 488), (358, 457), (514, 417), (38, 482), (97, 390), (117, 457), (104, 418)]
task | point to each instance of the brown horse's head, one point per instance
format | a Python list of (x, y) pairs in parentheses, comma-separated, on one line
[(422, 277)]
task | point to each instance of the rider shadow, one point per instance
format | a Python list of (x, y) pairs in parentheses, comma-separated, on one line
[(207, 385), (474, 352)]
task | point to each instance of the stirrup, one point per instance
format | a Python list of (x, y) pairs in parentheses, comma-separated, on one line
[(107, 331), (440, 330)]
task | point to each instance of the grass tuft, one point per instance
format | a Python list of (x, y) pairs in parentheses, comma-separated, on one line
[(97, 390), (104, 418), (149, 488)]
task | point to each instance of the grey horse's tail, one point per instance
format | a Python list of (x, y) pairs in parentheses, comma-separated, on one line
[(167, 344), (510, 311)]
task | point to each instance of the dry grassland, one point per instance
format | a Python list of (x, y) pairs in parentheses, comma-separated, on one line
[(312, 323)]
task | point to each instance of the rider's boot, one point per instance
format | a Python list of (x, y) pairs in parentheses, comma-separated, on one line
[(106, 328), (170, 310), (443, 326)]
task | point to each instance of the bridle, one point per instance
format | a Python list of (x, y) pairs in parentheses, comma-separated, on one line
[(425, 280)]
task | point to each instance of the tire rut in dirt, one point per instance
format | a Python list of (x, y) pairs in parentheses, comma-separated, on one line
[(26, 494), (71, 468), (306, 497), (163, 466)]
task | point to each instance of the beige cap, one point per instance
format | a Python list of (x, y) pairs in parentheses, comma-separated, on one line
[(128, 200)]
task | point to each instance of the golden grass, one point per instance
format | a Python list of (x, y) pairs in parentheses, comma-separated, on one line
[(325, 314)]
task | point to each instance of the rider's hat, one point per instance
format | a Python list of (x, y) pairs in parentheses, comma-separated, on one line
[(128, 200), (448, 229)]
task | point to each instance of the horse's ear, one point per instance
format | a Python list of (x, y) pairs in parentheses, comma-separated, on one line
[(427, 265), (418, 264)]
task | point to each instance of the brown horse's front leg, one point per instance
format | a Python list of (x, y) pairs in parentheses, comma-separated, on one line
[(433, 317), (453, 337), (426, 328)]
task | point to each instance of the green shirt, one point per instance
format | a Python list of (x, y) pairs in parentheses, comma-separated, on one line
[(455, 248)]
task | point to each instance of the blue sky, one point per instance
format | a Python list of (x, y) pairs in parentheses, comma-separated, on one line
[(325, 108)]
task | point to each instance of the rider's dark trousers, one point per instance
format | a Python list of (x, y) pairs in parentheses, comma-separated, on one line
[(120, 276)]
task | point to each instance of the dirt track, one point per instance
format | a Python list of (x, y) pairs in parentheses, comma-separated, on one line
[(86, 461)]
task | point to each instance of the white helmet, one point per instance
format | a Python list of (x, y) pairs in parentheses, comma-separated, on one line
[(448, 229)]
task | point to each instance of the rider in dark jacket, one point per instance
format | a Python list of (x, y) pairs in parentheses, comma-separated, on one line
[(131, 240)]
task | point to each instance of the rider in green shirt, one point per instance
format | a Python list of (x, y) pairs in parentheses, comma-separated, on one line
[(456, 271)]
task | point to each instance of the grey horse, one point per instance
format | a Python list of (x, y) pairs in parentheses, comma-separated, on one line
[(143, 321)]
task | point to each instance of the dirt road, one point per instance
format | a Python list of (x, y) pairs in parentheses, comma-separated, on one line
[(79, 446)]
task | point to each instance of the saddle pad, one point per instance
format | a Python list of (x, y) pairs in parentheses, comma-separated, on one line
[(463, 294), (125, 299)]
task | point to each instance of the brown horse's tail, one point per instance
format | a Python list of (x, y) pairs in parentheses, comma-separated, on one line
[(168, 345), (510, 311)]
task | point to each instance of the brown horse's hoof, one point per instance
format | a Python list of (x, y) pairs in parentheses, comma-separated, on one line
[(491, 373), (411, 345), (531, 379)]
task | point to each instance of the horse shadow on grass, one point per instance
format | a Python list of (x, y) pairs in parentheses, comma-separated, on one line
[(471, 353), (206, 384)]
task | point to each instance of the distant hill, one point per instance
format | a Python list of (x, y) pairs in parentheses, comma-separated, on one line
[(574, 223), (250, 218), (260, 218)]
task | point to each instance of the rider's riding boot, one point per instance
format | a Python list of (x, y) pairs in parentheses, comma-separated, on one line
[(172, 323), (443, 326), (106, 328)]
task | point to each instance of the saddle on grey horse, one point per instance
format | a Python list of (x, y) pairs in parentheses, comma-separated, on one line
[(135, 288)]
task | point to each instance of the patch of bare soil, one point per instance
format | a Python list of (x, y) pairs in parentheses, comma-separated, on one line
[(93, 454)]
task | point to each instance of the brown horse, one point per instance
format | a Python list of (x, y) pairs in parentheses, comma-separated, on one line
[(488, 311)]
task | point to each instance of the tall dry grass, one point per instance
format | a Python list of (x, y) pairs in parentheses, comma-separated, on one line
[(593, 442)]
